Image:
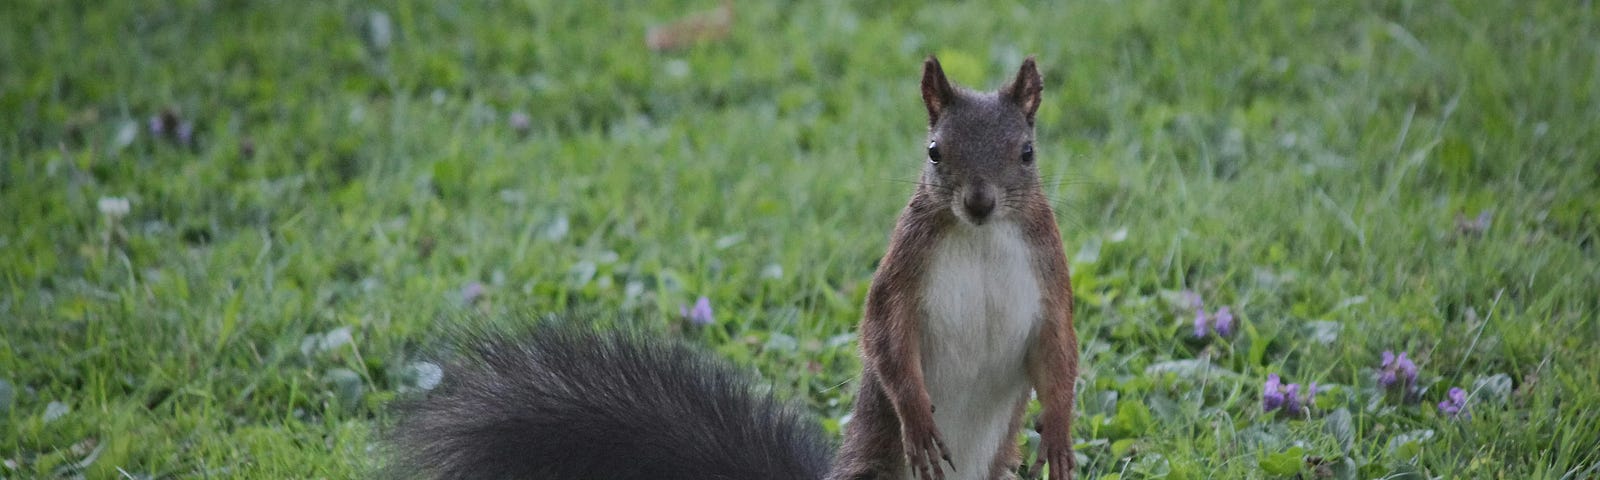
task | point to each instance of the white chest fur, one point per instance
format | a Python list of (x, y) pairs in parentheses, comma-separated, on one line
[(981, 306)]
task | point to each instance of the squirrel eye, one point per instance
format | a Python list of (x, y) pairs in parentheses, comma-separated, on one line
[(933, 152), (1027, 152)]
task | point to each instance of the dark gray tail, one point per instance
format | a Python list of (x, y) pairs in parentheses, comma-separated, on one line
[(565, 402)]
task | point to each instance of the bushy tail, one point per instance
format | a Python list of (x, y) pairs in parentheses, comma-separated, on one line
[(569, 402)]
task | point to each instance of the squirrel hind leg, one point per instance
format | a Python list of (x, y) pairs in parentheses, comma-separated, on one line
[(872, 448)]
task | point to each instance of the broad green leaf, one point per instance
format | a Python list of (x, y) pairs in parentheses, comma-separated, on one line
[(1338, 425), (1287, 462)]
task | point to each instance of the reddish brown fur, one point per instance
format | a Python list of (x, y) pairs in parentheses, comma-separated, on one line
[(891, 377), (893, 405), (1053, 362)]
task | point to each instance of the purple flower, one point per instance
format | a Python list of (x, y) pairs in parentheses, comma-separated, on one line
[(1454, 405), (1386, 378), (521, 122), (1474, 227), (1393, 368), (1223, 321), (700, 314), (1220, 321), (166, 124), (185, 132), (1272, 395), (1287, 399), (1291, 398), (1407, 368), (471, 292), (1190, 300)]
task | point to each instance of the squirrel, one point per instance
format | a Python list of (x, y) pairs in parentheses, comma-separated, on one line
[(970, 308)]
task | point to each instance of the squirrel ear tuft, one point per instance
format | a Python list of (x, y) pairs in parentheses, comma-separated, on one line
[(936, 91), (1025, 89)]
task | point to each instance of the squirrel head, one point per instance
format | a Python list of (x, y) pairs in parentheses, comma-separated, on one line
[(980, 144)]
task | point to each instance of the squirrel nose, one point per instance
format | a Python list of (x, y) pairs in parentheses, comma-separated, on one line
[(979, 203)]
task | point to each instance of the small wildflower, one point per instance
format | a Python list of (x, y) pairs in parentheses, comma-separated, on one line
[(165, 124), (1223, 321), (1456, 404), (1291, 398), (700, 314), (1474, 227), (185, 133), (1386, 378), (521, 122), (113, 207), (1287, 399), (1395, 368), (1220, 321), (471, 292), (1190, 300), (1272, 394)]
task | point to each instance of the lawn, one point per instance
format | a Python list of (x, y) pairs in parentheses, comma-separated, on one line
[(230, 231)]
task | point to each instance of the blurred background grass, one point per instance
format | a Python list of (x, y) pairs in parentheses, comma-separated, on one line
[(335, 181)]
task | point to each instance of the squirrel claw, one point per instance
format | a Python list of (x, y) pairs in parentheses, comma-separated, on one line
[(1061, 461), (923, 455)]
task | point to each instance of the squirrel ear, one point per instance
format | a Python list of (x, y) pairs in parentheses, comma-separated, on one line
[(936, 90), (1025, 89)]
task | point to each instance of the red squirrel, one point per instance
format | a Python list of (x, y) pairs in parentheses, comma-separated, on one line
[(970, 308)]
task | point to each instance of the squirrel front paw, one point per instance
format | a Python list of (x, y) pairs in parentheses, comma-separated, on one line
[(1055, 448), (924, 448)]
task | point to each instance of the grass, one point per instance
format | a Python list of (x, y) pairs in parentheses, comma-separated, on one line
[(1305, 164)]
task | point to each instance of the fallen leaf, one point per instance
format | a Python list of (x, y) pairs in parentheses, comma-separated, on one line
[(692, 29)]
